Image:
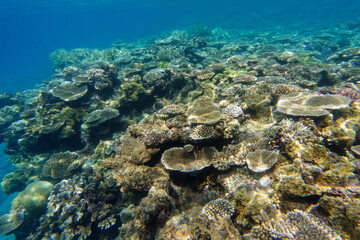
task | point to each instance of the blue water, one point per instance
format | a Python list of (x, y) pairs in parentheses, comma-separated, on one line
[(31, 30)]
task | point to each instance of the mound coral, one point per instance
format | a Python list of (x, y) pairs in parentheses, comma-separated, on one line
[(33, 199)]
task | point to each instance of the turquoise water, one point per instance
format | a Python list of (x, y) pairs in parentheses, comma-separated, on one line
[(32, 30)]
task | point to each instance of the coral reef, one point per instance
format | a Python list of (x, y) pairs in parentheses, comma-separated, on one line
[(200, 134)]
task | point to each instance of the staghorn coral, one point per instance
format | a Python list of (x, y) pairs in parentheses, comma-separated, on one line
[(219, 208), (290, 131)]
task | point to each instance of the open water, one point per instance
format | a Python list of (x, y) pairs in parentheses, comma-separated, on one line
[(31, 30)]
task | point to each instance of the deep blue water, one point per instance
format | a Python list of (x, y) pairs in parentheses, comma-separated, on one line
[(31, 30)]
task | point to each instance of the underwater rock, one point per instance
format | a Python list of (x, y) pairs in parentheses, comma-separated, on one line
[(295, 186), (261, 160), (179, 159), (345, 55), (305, 104)]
